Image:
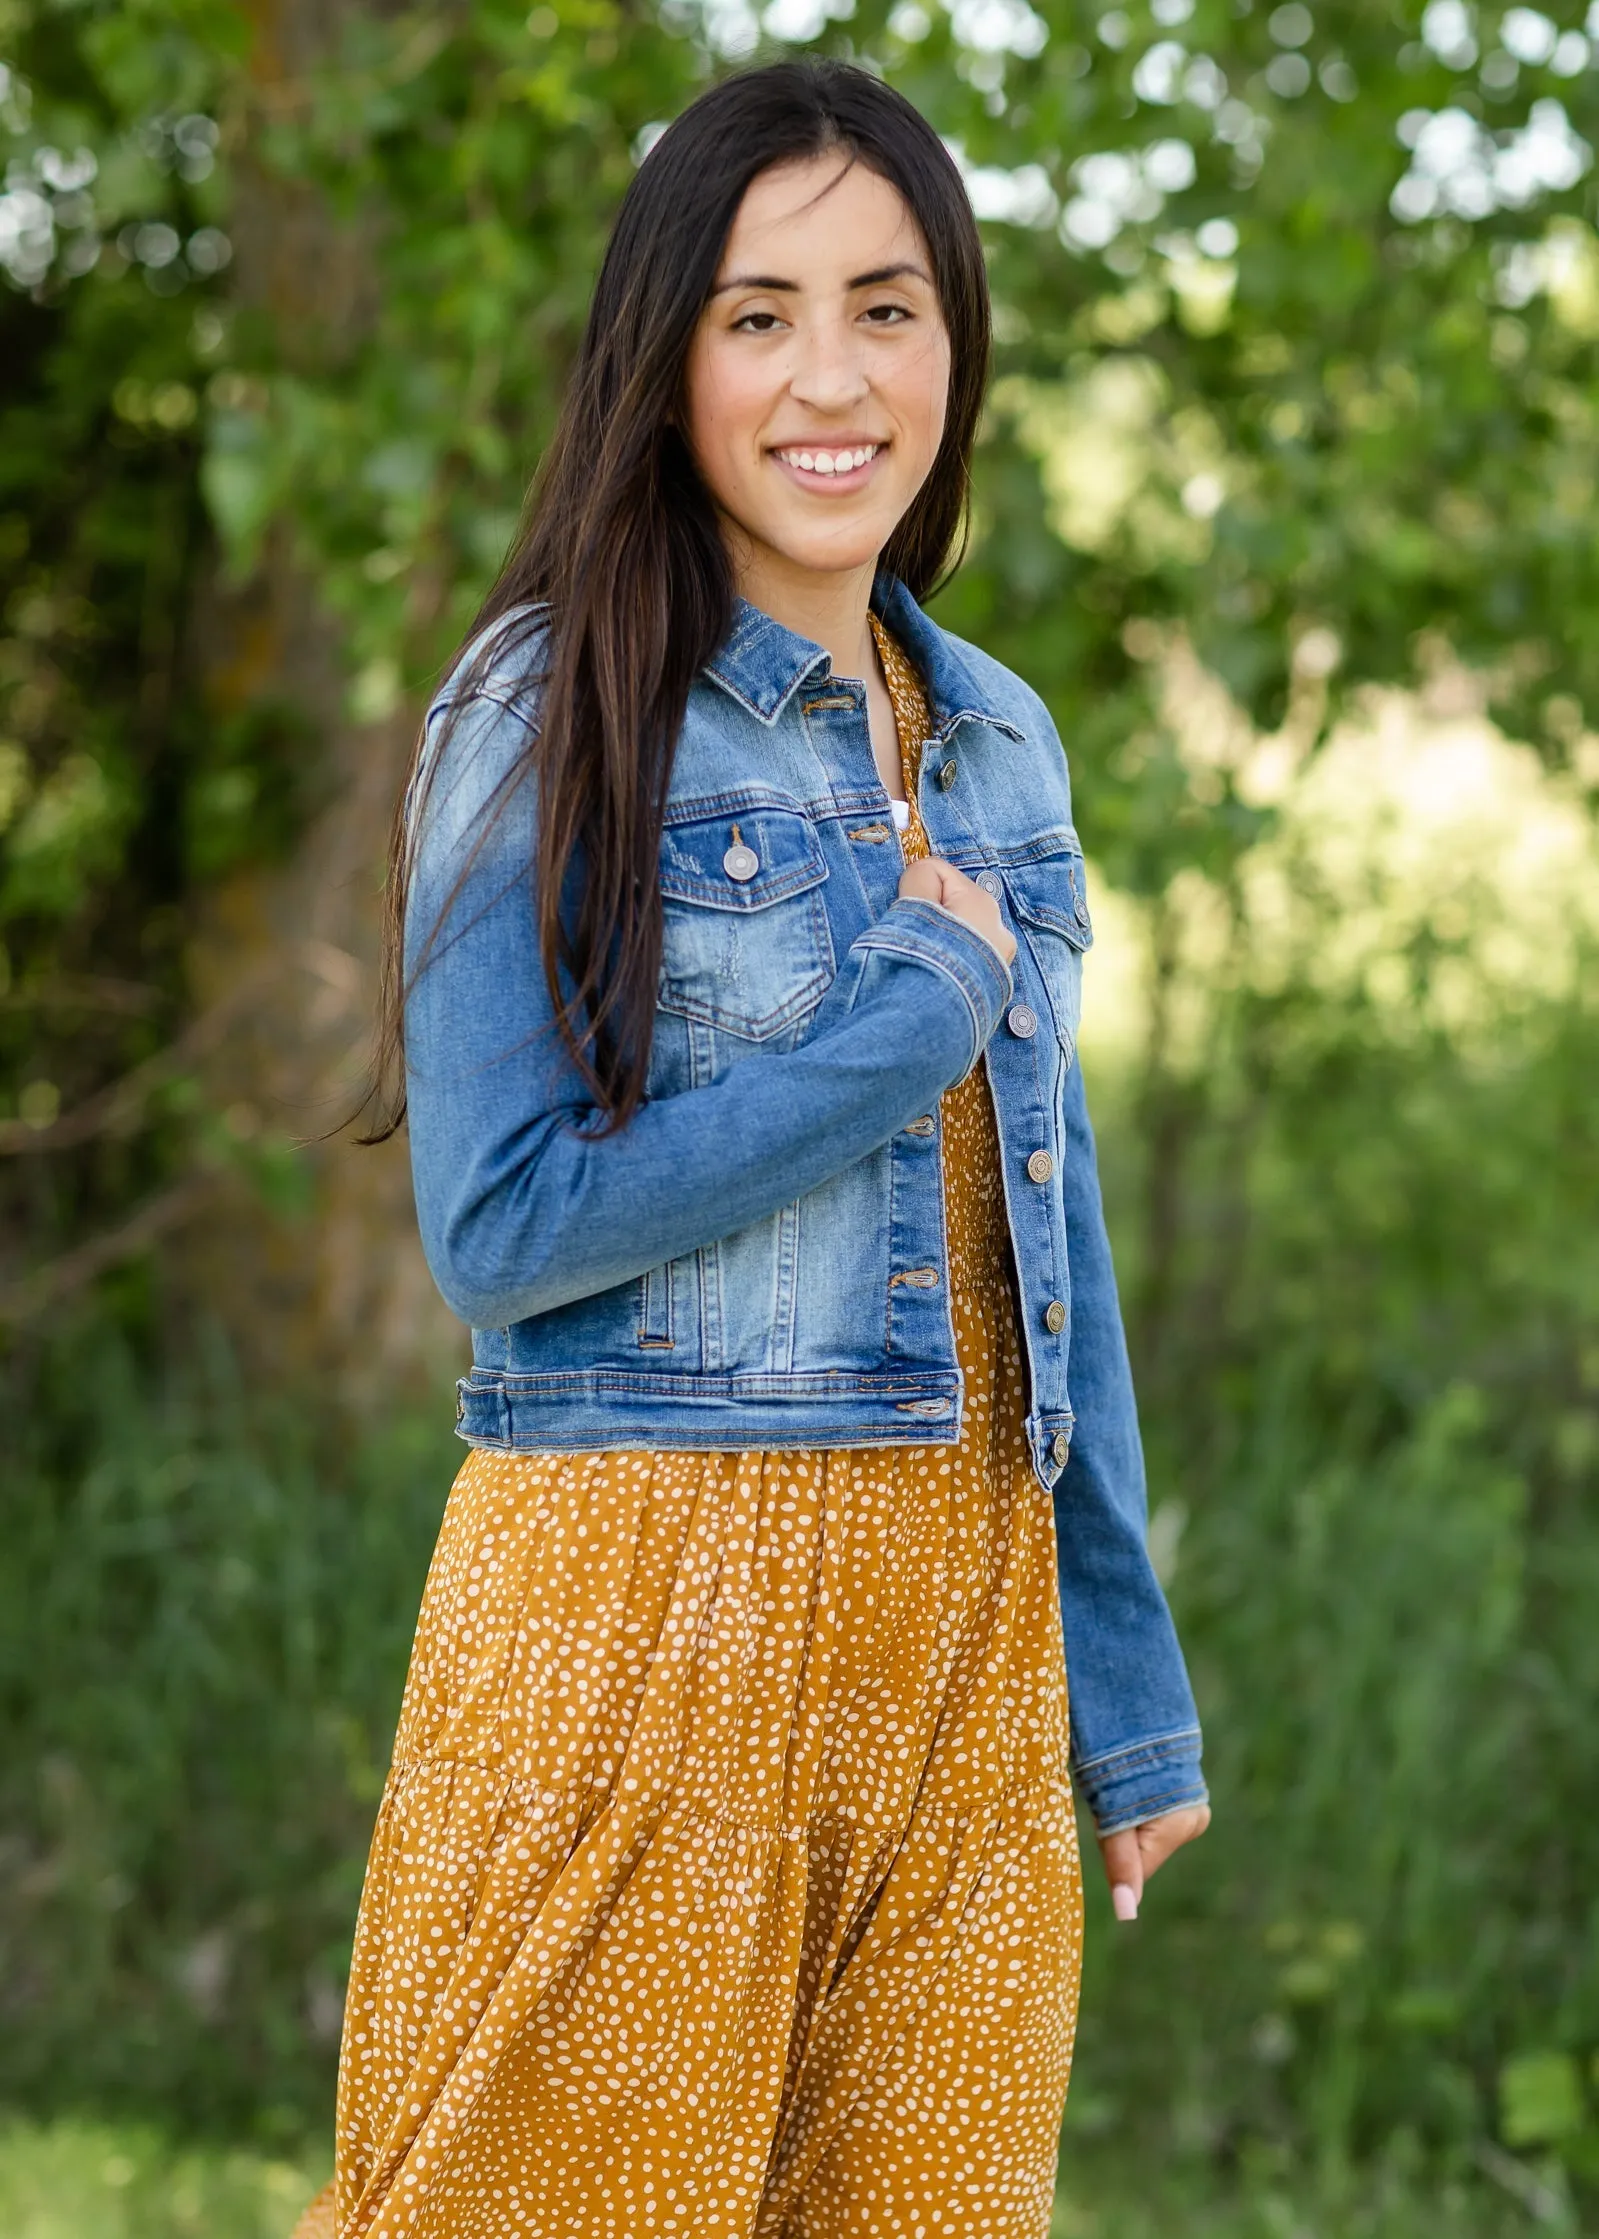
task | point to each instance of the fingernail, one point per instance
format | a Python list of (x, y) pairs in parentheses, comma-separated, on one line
[(1124, 1901)]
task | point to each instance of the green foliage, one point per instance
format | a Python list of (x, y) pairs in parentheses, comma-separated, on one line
[(206, 1611), (76, 2180), (1297, 322), (1297, 315), (1363, 1282), (1344, 353), (1343, 428), (79, 2180), (124, 786), (1265, 2197), (1541, 2098)]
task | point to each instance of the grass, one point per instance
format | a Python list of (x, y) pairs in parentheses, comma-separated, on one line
[(82, 2180), (1265, 2206)]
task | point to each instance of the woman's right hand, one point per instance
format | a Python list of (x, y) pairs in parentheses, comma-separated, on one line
[(934, 880)]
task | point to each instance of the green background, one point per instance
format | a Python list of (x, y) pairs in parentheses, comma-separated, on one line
[(1294, 423)]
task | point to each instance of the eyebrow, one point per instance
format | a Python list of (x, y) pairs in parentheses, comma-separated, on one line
[(764, 281)]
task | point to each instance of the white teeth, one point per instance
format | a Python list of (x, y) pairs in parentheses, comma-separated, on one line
[(831, 462)]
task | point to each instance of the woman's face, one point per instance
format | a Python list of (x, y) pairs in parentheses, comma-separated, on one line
[(818, 377)]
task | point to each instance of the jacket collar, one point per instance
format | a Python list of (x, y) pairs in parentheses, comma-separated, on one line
[(761, 663)]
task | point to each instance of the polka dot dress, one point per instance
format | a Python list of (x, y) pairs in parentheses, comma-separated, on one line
[(726, 1881)]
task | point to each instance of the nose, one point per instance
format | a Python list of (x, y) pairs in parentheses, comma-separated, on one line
[(829, 366)]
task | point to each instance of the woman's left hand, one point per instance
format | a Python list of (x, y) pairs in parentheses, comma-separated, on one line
[(1133, 1854)]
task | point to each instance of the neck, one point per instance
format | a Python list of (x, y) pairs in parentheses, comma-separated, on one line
[(829, 607)]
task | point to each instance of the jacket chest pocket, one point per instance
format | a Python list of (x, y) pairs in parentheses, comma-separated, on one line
[(1049, 898), (746, 946)]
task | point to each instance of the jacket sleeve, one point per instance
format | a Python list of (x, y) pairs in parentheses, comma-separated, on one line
[(523, 1206), (1135, 1731)]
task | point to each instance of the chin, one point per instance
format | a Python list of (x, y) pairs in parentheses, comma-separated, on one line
[(836, 554)]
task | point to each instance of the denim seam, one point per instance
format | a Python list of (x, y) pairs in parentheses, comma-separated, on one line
[(726, 683), (699, 808), (1150, 1808), (1157, 1750), (896, 933), (826, 1384), (698, 890), (493, 699), (794, 1006), (1059, 843), (924, 1431), (891, 947)]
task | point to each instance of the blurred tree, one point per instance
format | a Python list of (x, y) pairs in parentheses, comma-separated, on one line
[(105, 765), (1297, 314)]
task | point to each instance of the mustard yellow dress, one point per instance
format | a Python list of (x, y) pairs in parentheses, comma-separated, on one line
[(726, 1881)]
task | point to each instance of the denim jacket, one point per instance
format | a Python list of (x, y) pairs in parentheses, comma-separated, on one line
[(758, 1258)]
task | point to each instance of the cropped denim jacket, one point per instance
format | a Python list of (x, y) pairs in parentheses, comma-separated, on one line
[(758, 1258)]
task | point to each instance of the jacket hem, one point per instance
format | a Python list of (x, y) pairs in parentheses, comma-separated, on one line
[(589, 1411)]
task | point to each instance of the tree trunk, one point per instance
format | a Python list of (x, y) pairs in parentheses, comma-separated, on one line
[(335, 1286)]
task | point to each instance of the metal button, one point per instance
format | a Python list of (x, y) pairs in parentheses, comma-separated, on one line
[(1022, 1019), (1040, 1167), (1060, 1446), (923, 1126), (1054, 1317), (991, 883), (946, 774), (741, 862)]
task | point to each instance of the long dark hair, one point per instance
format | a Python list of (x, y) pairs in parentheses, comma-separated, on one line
[(620, 541)]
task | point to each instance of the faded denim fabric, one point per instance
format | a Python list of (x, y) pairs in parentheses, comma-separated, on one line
[(758, 1258)]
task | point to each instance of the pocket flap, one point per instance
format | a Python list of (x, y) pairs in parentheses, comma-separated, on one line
[(1051, 892), (742, 859)]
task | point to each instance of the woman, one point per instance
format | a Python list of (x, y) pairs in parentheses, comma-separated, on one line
[(726, 1880)]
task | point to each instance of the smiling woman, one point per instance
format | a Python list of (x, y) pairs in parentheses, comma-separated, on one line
[(817, 402), (726, 1879)]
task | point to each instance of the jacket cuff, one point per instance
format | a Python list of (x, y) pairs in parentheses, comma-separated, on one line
[(1124, 1787), (934, 935)]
